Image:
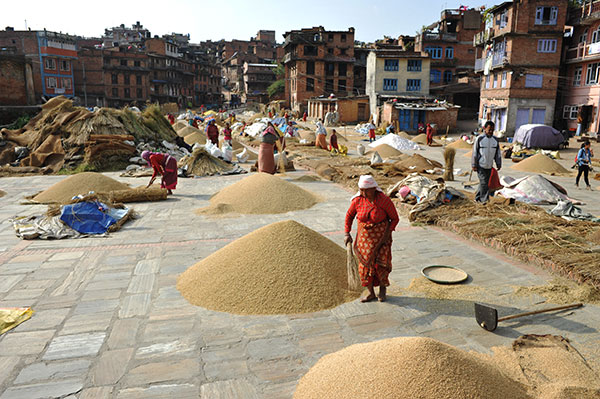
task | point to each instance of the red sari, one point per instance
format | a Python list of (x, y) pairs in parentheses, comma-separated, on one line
[(376, 220), (165, 165)]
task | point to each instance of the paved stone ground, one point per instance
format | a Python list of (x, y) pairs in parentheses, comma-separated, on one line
[(109, 322)]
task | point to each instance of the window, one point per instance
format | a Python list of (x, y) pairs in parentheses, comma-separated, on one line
[(310, 67), (596, 36), (447, 76), (51, 83), (546, 15), (390, 84), (591, 76), (449, 53), (342, 85), (343, 51), (502, 19), (413, 85), (115, 92), (329, 69), (414, 66), (343, 37), (342, 69), (330, 37), (138, 93), (435, 76), (390, 65), (577, 76), (583, 37), (504, 76), (65, 65), (137, 63), (310, 50), (570, 112), (114, 78), (434, 52), (50, 63), (124, 62), (495, 81), (310, 84), (127, 93), (138, 80), (66, 83), (533, 80), (487, 82), (546, 46), (126, 79), (329, 85), (329, 51)]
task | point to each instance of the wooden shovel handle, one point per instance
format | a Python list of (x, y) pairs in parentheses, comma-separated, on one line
[(576, 305)]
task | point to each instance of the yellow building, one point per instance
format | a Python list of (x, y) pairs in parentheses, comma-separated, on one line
[(395, 73)]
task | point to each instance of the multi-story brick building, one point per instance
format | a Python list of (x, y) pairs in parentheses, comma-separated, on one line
[(519, 56), (257, 78), (360, 70), (393, 72), (51, 55), (317, 62), (207, 74), (449, 42), (581, 87), (16, 78), (123, 36)]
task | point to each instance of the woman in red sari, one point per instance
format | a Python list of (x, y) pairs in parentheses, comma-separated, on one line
[(164, 165), (266, 151), (377, 218)]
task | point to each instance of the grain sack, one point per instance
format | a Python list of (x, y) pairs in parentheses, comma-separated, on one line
[(540, 163), (406, 368), (281, 268), (81, 183), (261, 193)]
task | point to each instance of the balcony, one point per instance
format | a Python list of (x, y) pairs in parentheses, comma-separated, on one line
[(483, 37), (583, 52), (497, 60), (446, 37), (586, 14)]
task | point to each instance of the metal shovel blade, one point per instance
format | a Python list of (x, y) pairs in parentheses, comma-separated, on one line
[(486, 317)]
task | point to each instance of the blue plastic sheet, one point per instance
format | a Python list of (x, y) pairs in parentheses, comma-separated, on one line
[(87, 217)]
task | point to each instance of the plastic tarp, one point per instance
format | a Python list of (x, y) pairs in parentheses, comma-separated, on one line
[(399, 143), (566, 210), (12, 317), (87, 217), (534, 189), (538, 136), (42, 226), (255, 129)]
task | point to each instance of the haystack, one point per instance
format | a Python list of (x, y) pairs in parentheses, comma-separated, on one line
[(540, 163), (407, 368), (201, 163), (281, 268), (81, 183), (261, 193)]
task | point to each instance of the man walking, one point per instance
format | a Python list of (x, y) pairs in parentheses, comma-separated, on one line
[(486, 150)]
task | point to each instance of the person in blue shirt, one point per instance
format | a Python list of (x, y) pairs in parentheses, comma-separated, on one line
[(584, 162)]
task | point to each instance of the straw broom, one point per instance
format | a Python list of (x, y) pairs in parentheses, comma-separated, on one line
[(354, 283), (449, 154)]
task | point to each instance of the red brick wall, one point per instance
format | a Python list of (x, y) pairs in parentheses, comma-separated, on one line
[(13, 88)]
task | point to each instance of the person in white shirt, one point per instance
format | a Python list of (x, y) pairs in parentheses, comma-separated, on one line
[(486, 150)]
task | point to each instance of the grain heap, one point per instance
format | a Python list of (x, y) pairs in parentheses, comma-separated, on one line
[(407, 368), (261, 193), (81, 183), (563, 291), (201, 163), (281, 268), (540, 163), (420, 138), (386, 151), (195, 137), (460, 145), (418, 163), (187, 130)]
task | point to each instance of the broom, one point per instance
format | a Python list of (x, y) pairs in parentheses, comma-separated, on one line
[(354, 283), (449, 154)]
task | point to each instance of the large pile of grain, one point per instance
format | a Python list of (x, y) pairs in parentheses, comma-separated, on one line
[(81, 183), (460, 145), (540, 163), (281, 268), (418, 163), (186, 131), (406, 368), (386, 151), (420, 138), (195, 137), (261, 193)]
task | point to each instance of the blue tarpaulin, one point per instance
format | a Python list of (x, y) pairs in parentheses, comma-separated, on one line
[(86, 217)]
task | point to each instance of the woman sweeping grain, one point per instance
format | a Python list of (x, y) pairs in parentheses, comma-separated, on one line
[(377, 218), (266, 158), (164, 165)]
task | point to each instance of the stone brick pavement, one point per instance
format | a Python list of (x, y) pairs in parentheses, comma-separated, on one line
[(109, 322)]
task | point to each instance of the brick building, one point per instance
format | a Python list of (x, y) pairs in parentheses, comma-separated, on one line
[(257, 78), (124, 36), (317, 62), (518, 59), (449, 42), (16, 78), (581, 88), (350, 109), (395, 73), (408, 116), (360, 71), (51, 56)]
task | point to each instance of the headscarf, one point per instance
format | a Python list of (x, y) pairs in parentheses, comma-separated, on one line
[(365, 182), (320, 128), (147, 154), (270, 129)]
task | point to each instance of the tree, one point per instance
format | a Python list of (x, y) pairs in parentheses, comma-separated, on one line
[(276, 87)]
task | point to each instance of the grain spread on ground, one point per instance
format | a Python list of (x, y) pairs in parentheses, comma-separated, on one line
[(433, 290), (406, 368), (460, 145), (195, 137), (386, 151), (81, 183), (563, 291), (186, 131), (261, 193), (540, 163), (281, 268)]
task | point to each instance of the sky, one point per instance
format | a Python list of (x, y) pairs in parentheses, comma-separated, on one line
[(229, 19)]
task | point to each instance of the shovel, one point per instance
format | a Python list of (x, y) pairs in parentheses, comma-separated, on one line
[(487, 317)]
